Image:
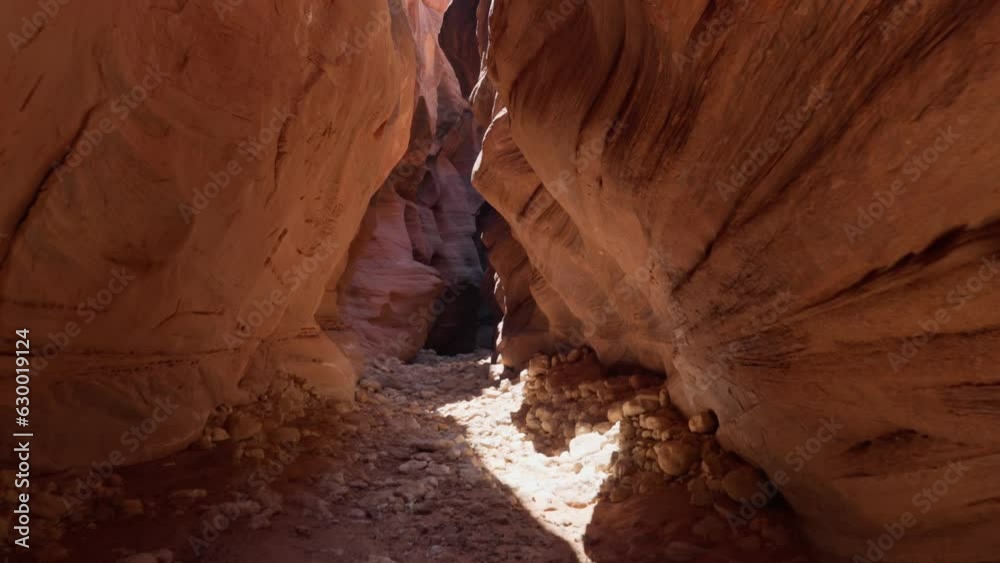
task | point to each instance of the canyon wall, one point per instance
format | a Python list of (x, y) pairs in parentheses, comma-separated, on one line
[(413, 275), (788, 209), (184, 181)]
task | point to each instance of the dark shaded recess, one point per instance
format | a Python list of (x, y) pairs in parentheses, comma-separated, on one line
[(471, 313), (458, 41)]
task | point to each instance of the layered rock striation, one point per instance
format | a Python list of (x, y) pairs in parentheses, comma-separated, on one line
[(787, 210), (414, 271), (184, 182)]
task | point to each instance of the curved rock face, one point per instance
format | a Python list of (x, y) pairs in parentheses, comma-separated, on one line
[(788, 210), (458, 40), (170, 227), (413, 275)]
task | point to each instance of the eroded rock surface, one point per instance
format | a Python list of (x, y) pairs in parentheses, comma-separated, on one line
[(170, 227), (785, 209), (414, 273)]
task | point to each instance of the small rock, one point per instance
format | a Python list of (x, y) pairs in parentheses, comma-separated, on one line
[(439, 470), (700, 493), (242, 426), (710, 528), (675, 458), (603, 427), (615, 413), (712, 464), (664, 397), (218, 434), (741, 483), (260, 521), (268, 498), (497, 371), (285, 435), (370, 384), (470, 475), (412, 465), (538, 365), (131, 506), (658, 421), (641, 403), (432, 445), (703, 423), (620, 493), (574, 356), (188, 496)]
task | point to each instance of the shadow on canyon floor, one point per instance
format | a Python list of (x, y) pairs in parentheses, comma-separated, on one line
[(438, 463), (393, 481)]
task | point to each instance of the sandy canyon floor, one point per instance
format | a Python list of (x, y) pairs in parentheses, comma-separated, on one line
[(435, 464)]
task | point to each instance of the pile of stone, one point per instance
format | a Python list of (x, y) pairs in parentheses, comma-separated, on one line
[(658, 447), (567, 395)]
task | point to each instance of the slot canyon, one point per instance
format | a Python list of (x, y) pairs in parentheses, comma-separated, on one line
[(407, 281)]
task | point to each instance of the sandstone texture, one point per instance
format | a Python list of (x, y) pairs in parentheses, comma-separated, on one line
[(414, 272), (785, 208), (745, 254), (184, 182)]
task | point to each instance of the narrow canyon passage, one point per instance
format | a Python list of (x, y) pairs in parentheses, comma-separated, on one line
[(408, 281), (438, 463)]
